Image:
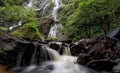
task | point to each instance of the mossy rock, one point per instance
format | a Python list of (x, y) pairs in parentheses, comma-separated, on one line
[(52, 38), (29, 31), (3, 30)]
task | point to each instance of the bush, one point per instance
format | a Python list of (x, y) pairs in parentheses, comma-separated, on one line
[(29, 31), (11, 2), (16, 13)]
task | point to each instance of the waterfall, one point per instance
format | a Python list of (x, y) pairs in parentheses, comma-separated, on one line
[(53, 31), (34, 53), (19, 59), (59, 64), (54, 28), (30, 4), (55, 9), (64, 63), (44, 9), (15, 25), (67, 51), (52, 53)]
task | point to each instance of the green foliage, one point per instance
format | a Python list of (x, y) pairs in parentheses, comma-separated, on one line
[(16, 13), (11, 2), (4, 28), (51, 38), (29, 31), (89, 18)]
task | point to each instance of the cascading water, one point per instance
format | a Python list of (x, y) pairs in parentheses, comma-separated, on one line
[(54, 27), (53, 31), (58, 64), (30, 4), (54, 55), (19, 59), (34, 53), (15, 25), (55, 9), (44, 9)]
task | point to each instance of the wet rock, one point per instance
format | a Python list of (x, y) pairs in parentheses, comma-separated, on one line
[(58, 46), (102, 65), (116, 69), (81, 46), (11, 47), (115, 34), (103, 49), (118, 45), (77, 49), (55, 45), (44, 25)]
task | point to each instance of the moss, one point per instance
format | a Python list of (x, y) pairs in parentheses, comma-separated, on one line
[(29, 31), (51, 38), (4, 28), (1, 50)]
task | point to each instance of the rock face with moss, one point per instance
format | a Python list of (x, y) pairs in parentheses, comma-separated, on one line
[(44, 25), (28, 31)]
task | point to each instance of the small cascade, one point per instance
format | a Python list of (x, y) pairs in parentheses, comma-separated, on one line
[(20, 55), (30, 4), (62, 48), (55, 9), (53, 31), (34, 54), (15, 25), (67, 51), (54, 55), (44, 9), (56, 63), (54, 28)]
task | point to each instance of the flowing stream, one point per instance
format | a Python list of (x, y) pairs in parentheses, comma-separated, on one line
[(64, 63), (54, 27)]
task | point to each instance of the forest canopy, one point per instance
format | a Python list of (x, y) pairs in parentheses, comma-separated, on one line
[(91, 18), (81, 18)]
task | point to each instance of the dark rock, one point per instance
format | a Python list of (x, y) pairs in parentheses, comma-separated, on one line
[(45, 25), (116, 69), (102, 65), (15, 49), (118, 45), (115, 34)]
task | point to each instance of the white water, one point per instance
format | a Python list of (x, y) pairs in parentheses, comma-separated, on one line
[(33, 56), (30, 4), (44, 9), (67, 51), (19, 59), (60, 64), (52, 53), (55, 9), (53, 31), (54, 28), (15, 25)]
